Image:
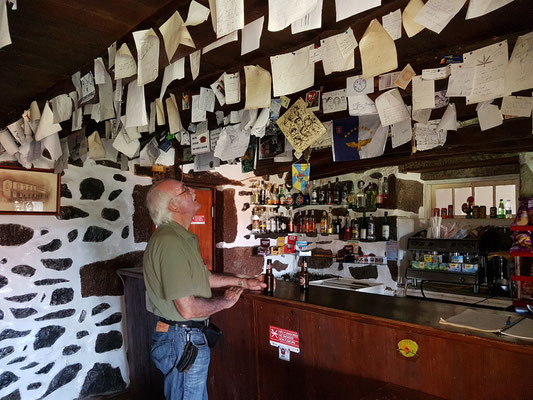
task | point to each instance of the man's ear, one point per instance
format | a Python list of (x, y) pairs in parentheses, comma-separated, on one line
[(173, 205)]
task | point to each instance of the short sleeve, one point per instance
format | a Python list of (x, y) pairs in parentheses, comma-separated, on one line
[(176, 278)]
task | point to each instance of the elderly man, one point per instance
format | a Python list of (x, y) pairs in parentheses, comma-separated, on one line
[(179, 285)]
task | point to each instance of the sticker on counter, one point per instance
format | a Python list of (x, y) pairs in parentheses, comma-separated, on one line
[(407, 347), (198, 220), (280, 337)]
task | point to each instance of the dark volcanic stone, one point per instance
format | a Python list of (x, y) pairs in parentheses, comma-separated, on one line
[(14, 234), (320, 262), (120, 178), (102, 378), (101, 279), (65, 191), (57, 314), (83, 314), (112, 319), (96, 234), (125, 232), (16, 360), (108, 341), (63, 377), (245, 206), (240, 260), (69, 350), (30, 365), (81, 334), (7, 378), (11, 333), (46, 368), (114, 194), (44, 232), (247, 237), (405, 194), (5, 351), (100, 308), (12, 396), (72, 235), (43, 297), (23, 270), (71, 212), (142, 224), (47, 336), (3, 260), (22, 312), (1, 315), (61, 296), (226, 216), (33, 386), (22, 298), (52, 246), (279, 266), (44, 282), (367, 272), (3, 281), (91, 189), (111, 214), (57, 264)]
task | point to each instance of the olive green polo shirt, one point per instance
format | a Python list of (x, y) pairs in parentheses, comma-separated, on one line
[(173, 268)]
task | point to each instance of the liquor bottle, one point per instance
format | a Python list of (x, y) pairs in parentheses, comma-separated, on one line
[(336, 226), (274, 222), (385, 228), (307, 196), (344, 194), (255, 194), (370, 194), (268, 223), (263, 222), (289, 198), (371, 229), (297, 223), (282, 199), (291, 222), (352, 197), (304, 276), (379, 195), (330, 221), (269, 278), (324, 223), (304, 222), (360, 197), (385, 192), (256, 223), (329, 194), (314, 194), (363, 227), (337, 192), (311, 223), (262, 193), (322, 193), (348, 229), (355, 228), (274, 195), (299, 200), (501, 209), (283, 223), (508, 210), (268, 199)]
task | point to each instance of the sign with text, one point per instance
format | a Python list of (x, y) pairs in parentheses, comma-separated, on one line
[(280, 337), (198, 220)]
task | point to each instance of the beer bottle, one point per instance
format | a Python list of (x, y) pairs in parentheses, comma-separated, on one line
[(269, 278), (304, 276)]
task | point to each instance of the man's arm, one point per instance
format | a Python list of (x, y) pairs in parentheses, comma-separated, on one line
[(191, 307), (220, 280)]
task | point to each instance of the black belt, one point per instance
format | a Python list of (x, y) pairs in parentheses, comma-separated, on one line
[(186, 324)]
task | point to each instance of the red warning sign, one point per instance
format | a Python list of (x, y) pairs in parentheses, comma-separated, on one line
[(280, 337), (198, 220)]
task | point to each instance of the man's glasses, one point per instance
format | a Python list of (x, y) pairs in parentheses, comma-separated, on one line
[(185, 190)]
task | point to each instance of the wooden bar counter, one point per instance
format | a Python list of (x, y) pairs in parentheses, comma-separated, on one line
[(348, 349)]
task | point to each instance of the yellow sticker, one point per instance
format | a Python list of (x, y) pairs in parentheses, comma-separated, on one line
[(407, 347)]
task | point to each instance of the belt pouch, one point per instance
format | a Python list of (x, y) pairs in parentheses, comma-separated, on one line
[(212, 334), (188, 357)]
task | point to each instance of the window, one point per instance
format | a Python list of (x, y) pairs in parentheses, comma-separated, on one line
[(485, 192)]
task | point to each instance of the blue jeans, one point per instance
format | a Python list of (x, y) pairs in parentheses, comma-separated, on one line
[(167, 348)]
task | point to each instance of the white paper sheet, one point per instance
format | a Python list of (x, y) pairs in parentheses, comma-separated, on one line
[(489, 116), (218, 89), (46, 125), (235, 117), (125, 65), (147, 44), (357, 85), (392, 23), (258, 87), (88, 89), (258, 129), (7, 141), (232, 143), (229, 16), (332, 58), (312, 20), (282, 13), (132, 133), (77, 114), (197, 114), (198, 13), (251, 35), (401, 133), (61, 107), (174, 71), (232, 88), (422, 115), (519, 71), (448, 121), (174, 33), (220, 118), (428, 136), (423, 93), (149, 154), (461, 80), (408, 16), (96, 149), (518, 106), (166, 158), (160, 112), (205, 162), (346, 42), (232, 37), (53, 145), (126, 146), (334, 101), (111, 54), (477, 8), (388, 81), (5, 38), (361, 105), (437, 73), (405, 77), (106, 97), (35, 113), (347, 8), (135, 106), (194, 58), (207, 99), (174, 119), (436, 14), (99, 69), (152, 117), (391, 108), (378, 51), (291, 72), (200, 142)]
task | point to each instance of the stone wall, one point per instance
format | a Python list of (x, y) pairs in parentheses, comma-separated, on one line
[(61, 312)]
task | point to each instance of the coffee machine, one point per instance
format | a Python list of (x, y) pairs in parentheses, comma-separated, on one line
[(499, 273)]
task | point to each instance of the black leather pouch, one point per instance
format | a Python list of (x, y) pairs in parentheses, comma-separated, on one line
[(212, 334), (188, 357)]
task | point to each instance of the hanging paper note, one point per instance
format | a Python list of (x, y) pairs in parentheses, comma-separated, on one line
[(300, 176), (312, 20), (174, 33), (477, 8), (291, 72), (232, 88), (409, 14), (229, 16), (258, 87), (391, 108), (378, 51), (147, 44), (332, 56), (125, 65), (436, 14), (251, 35), (198, 13), (282, 13), (519, 71), (347, 8), (392, 23)]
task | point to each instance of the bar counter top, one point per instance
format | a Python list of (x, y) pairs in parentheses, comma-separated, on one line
[(421, 314)]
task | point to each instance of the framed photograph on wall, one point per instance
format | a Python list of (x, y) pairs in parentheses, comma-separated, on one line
[(29, 191)]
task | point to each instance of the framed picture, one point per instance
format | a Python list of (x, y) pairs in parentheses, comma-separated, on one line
[(29, 191)]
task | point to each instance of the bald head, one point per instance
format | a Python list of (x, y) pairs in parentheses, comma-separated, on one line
[(158, 199)]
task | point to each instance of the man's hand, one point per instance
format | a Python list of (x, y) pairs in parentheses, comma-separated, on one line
[(255, 284), (231, 296)]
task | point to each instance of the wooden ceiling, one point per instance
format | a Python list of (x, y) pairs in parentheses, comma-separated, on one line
[(52, 39)]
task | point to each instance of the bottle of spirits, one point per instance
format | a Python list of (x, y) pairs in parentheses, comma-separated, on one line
[(330, 221), (344, 194), (311, 223), (363, 227), (385, 228), (314, 194), (274, 195), (355, 228), (273, 224), (269, 278), (291, 222), (352, 197), (379, 195), (307, 196), (299, 200), (289, 198), (385, 193), (337, 192), (256, 223), (283, 223), (347, 229), (324, 223), (268, 198), (322, 193), (282, 199), (370, 193), (371, 229), (262, 193), (263, 222), (360, 197), (329, 194), (268, 223)]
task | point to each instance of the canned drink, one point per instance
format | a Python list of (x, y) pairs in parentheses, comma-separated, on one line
[(443, 212), (436, 212), (475, 212), (450, 211), (482, 211), (493, 212)]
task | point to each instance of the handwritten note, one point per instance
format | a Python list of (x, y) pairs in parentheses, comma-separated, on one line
[(477, 8), (428, 136), (282, 13), (489, 116), (519, 71), (409, 13), (258, 87), (232, 87), (312, 20), (347, 8), (174, 33), (391, 108), (436, 14), (437, 73), (357, 85), (125, 65), (392, 23), (147, 44), (229, 16), (332, 57), (197, 114), (346, 42), (406, 75), (423, 93), (518, 106), (361, 105), (291, 72), (207, 99)]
